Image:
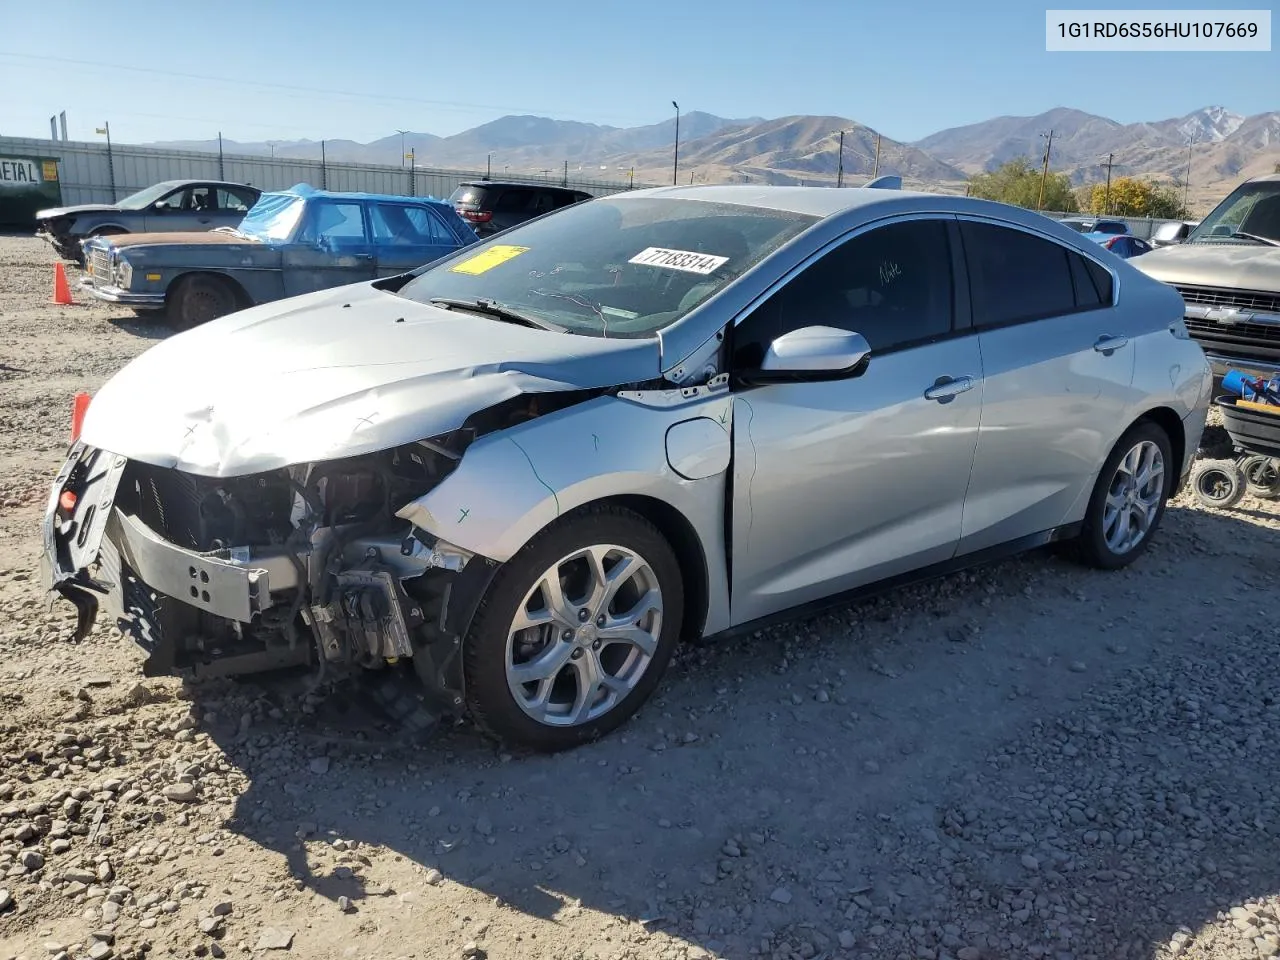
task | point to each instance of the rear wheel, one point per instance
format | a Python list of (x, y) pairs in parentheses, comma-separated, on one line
[(575, 631), (1129, 499), (199, 299)]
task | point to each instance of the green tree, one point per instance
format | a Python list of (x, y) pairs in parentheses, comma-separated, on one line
[(1018, 182)]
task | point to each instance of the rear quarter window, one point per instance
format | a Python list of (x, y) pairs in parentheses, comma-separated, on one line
[(1016, 276)]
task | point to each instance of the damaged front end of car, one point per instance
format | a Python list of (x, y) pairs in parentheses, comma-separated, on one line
[(303, 566)]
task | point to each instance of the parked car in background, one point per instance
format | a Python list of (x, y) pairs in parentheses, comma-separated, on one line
[(168, 206), (526, 472), (1228, 272), (1094, 225), (292, 242), (1176, 231), (1122, 244), (493, 205)]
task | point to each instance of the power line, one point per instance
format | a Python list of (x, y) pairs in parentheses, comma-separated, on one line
[(294, 88)]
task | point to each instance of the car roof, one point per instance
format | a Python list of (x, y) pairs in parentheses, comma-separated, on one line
[(826, 202), (211, 183), (516, 183), (308, 192)]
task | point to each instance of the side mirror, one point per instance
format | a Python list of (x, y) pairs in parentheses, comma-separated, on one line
[(814, 353)]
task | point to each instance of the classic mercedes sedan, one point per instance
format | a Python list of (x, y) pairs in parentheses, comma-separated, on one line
[(291, 242), (525, 472)]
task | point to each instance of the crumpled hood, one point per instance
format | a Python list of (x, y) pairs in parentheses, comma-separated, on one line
[(52, 212), (1236, 266), (333, 374)]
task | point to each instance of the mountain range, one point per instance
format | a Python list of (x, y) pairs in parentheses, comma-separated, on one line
[(1225, 148)]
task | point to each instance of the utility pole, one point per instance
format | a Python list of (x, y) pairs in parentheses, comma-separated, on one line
[(221, 174), (105, 129), (1186, 186), (413, 187), (840, 163), (488, 166), (402, 153), (875, 173), (1106, 199), (565, 181), (675, 153), (324, 169), (1044, 173)]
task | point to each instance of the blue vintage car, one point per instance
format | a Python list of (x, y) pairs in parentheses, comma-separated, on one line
[(291, 242)]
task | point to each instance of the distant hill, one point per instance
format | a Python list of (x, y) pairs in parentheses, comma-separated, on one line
[(1227, 148)]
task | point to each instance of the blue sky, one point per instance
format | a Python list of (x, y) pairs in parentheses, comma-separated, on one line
[(321, 68)]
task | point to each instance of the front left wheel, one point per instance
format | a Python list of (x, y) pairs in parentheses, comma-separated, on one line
[(575, 631)]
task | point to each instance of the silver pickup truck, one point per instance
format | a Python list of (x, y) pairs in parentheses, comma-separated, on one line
[(1228, 272)]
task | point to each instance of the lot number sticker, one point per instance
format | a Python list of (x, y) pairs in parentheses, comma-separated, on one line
[(486, 261), (685, 260)]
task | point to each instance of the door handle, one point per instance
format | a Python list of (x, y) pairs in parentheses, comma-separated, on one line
[(1109, 345), (204, 219), (947, 389), (363, 256)]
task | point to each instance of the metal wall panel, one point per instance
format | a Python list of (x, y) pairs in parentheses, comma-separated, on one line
[(86, 175)]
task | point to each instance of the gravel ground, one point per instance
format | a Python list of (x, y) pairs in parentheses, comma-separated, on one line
[(1030, 760)]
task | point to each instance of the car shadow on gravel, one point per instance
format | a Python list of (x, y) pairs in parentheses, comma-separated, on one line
[(1029, 759), (148, 327)]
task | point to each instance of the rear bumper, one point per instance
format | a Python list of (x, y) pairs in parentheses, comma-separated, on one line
[(129, 298), (1254, 368)]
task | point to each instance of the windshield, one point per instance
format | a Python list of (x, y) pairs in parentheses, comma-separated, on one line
[(145, 198), (1252, 208), (611, 267), (273, 217)]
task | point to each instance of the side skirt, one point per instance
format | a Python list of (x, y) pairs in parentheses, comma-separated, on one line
[(954, 565)]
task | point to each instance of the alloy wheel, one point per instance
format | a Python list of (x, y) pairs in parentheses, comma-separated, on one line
[(584, 635), (1133, 497)]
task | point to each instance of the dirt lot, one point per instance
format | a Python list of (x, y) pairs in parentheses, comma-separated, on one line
[(1032, 760)]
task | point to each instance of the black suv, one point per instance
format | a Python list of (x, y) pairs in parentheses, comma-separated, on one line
[(492, 205)]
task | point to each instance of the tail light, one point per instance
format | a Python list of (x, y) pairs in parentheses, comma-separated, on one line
[(477, 216), (79, 407)]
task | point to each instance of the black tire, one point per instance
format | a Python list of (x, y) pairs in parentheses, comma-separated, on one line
[(1091, 548), (490, 703), (198, 299), (1261, 475), (1218, 483)]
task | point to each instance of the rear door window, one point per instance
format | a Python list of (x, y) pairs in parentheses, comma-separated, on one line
[(514, 201), (234, 200), (1015, 276), (402, 224)]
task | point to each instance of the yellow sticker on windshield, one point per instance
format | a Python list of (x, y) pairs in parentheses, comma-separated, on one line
[(483, 262)]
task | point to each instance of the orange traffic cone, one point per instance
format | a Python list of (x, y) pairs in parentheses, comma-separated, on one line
[(61, 292)]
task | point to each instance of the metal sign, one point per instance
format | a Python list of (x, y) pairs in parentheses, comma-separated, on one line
[(18, 172)]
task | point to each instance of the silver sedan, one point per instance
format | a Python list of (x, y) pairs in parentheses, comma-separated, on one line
[(525, 472)]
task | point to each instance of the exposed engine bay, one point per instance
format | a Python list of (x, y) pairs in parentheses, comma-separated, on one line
[(306, 565)]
